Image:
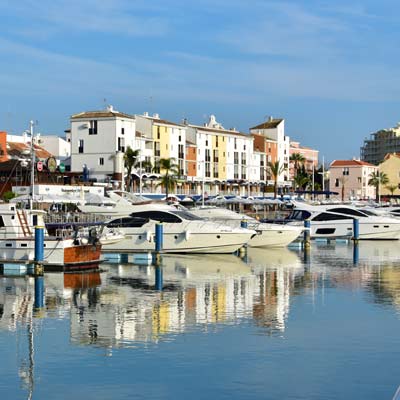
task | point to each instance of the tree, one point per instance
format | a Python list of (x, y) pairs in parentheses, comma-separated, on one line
[(391, 188), (7, 196), (298, 159), (170, 169), (377, 179), (302, 181), (276, 169), (131, 160)]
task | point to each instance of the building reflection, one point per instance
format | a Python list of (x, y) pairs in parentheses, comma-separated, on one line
[(119, 306)]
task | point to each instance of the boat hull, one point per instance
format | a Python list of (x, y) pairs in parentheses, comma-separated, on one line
[(179, 242), (367, 230), (56, 252), (275, 236)]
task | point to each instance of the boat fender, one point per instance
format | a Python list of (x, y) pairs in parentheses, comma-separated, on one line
[(148, 236), (187, 235)]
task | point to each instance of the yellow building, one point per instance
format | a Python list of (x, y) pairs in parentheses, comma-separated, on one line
[(391, 167)]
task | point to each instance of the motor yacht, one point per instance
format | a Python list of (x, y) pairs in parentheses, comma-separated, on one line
[(183, 232), (268, 234), (335, 221), (69, 248)]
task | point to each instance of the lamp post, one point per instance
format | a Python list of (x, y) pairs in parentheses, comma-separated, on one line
[(202, 182), (31, 123), (379, 187), (140, 165)]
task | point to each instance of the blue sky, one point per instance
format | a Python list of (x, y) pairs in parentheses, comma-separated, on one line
[(328, 67)]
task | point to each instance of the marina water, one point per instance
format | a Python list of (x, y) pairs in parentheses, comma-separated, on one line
[(275, 324)]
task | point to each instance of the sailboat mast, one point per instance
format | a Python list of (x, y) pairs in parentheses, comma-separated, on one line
[(32, 166)]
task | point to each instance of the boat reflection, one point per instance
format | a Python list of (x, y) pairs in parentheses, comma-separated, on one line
[(121, 305)]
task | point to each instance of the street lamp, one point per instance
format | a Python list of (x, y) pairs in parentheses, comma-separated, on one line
[(140, 165)]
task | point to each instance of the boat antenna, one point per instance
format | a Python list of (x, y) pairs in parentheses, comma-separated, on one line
[(31, 123)]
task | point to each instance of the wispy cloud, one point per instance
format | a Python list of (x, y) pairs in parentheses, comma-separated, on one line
[(114, 16)]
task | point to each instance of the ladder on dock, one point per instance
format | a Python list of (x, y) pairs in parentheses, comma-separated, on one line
[(24, 223)]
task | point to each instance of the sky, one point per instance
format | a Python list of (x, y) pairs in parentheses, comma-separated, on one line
[(329, 68)]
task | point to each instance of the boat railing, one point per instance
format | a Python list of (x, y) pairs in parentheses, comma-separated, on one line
[(74, 218)]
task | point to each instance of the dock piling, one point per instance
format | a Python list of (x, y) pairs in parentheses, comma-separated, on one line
[(159, 237), (356, 230), (38, 267), (307, 234), (158, 278)]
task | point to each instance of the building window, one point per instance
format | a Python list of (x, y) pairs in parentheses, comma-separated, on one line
[(359, 180), (235, 143), (80, 148), (101, 161), (181, 153), (180, 138), (121, 144), (158, 132), (346, 171), (337, 182), (122, 131), (206, 142), (93, 127), (157, 149)]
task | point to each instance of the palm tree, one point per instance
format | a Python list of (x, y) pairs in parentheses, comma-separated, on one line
[(377, 179), (131, 160), (170, 169), (298, 159), (276, 169), (302, 181), (391, 188)]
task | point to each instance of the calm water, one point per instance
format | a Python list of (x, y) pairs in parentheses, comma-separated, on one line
[(276, 325)]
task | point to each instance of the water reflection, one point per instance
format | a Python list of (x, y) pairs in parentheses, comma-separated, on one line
[(118, 306)]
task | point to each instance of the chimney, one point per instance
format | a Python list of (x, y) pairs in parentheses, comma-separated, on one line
[(270, 119), (156, 116), (145, 114)]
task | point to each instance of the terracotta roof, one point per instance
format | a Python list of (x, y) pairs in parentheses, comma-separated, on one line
[(217, 130), (350, 163), (268, 124), (101, 114), (16, 149)]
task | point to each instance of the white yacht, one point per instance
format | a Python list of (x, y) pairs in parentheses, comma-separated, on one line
[(335, 221), (117, 204), (17, 241), (268, 234), (183, 232)]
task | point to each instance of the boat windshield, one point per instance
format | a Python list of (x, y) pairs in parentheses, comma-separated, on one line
[(187, 215), (299, 215), (348, 211)]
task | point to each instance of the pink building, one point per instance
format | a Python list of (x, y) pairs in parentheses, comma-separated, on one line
[(310, 156), (350, 178)]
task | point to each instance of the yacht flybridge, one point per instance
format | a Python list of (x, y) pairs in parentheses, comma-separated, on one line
[(335, 221), (268, 234), (183, 232), (17, 241)]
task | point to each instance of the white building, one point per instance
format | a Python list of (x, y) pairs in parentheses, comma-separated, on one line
[(162, 139), (96, 137), (224, 156), (275, 129), (59, 147)]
